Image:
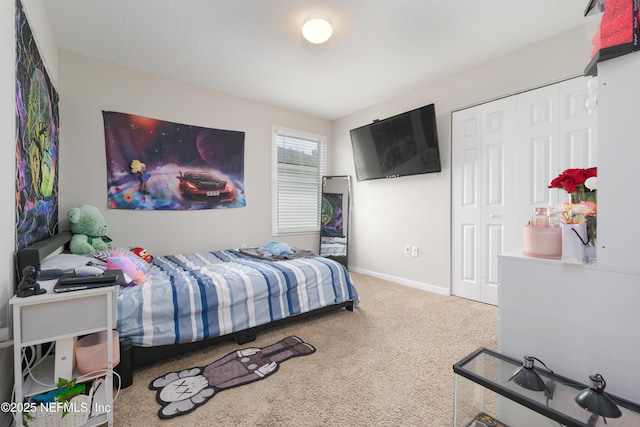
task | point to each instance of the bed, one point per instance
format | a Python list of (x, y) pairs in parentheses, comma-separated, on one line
[(191, 300)]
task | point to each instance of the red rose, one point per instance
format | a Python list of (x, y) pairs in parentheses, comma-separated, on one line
[(571, 178), (564, 181), (576, 175)]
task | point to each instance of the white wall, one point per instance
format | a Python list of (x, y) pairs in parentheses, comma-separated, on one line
[(7, 183), (90, 86), (42, 33), (387, 214)]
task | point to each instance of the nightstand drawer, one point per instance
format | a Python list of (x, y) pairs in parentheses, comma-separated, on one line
[(64, 317)]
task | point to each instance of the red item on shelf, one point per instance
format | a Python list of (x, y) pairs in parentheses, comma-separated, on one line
[(618, 25)]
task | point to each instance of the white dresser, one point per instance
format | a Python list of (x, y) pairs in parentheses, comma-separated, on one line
[(578, 319)]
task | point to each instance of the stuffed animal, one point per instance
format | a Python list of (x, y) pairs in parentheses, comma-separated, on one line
[(89, 230), (135, 272), (143, 254), (275, 249), (132, 265)]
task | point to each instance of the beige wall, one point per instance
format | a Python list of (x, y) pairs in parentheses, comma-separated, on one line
[(387, 214), (90, 86)]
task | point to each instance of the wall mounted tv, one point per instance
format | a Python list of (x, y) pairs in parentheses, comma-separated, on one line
[(406, 144)]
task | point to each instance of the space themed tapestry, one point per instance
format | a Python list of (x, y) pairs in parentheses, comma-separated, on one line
[(159, 165), (37, 125)]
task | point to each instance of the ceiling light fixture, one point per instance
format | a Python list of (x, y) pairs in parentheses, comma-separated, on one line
[(317, 29)]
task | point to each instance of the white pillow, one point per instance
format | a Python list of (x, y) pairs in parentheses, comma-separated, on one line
[(64, 262)]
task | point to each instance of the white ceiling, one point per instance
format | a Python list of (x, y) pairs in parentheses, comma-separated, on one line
[(254, 49)]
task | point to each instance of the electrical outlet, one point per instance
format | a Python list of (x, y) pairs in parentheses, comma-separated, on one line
[(407, 249), (414, 251)]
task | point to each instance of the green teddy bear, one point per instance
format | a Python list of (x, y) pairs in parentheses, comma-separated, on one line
[(89, 230)]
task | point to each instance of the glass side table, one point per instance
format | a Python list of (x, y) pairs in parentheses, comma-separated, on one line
[(485, 395)]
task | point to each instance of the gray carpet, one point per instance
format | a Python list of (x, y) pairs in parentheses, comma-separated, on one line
[(388, 363)]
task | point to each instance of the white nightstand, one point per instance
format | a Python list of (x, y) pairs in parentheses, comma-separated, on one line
[(56, 316)]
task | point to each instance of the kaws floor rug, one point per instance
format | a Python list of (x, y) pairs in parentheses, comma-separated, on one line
[(181, 392)]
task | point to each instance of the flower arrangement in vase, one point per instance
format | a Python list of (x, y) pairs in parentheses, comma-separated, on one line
[(581, 184)]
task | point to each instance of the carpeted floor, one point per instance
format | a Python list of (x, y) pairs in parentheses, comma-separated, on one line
[(388, 363)]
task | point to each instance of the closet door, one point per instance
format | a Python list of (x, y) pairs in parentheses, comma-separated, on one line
[(483, 186), (538, 146), (578, 133), (555, 132), (504, 155)]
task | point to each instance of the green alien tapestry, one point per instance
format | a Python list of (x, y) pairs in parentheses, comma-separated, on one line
[(37, 126)]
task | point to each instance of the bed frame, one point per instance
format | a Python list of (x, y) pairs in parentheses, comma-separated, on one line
[(142, 356), (34, 254)]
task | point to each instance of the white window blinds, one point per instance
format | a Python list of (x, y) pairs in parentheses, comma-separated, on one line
[(300, 163)]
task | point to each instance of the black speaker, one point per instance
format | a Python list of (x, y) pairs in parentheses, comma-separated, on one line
[(32, 255), (26, 257)]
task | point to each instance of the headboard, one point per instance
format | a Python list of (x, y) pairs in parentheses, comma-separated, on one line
[(35, 253)]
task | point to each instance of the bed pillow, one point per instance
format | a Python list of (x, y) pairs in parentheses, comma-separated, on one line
[(65, 262)]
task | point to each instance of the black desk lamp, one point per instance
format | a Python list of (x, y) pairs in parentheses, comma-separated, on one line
[(596, 401), (528, 378)]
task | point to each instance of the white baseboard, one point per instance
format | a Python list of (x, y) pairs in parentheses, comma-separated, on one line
[(406, 282)]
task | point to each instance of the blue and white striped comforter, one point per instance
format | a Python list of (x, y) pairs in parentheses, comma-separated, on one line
[(192, 297)]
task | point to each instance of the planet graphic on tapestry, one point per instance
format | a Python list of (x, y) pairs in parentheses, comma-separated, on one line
[(227, 158)]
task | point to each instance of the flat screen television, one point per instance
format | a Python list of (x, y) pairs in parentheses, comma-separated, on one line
[(406, 144)]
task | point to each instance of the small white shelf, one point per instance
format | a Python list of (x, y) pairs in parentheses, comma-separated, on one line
[(50, 317), (41, 379)]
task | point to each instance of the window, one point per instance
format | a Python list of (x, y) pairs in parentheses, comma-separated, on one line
[(299, 163)]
